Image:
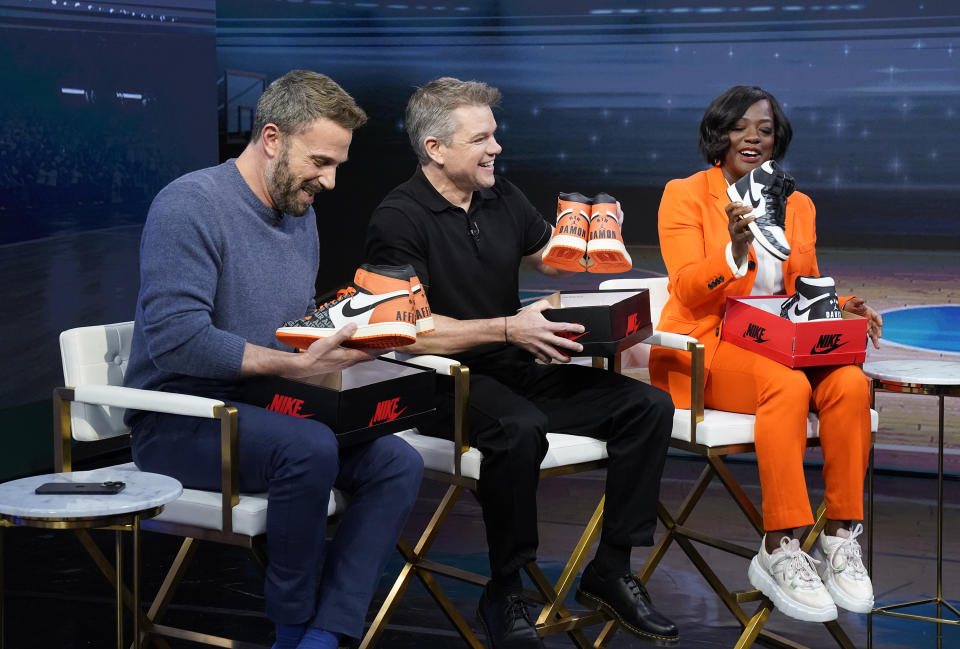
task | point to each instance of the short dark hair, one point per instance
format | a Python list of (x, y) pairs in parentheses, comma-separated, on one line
[(724, 111), (298, 98)]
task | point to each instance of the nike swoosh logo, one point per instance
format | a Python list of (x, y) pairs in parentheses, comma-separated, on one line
[(828, 349), (799, 311), (755, 191), (350, 312), (570, 336)]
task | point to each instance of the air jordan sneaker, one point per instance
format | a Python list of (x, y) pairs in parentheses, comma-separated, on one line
[(567, 248), (815, 299), (379, 302), (766, 188), (605, 250)]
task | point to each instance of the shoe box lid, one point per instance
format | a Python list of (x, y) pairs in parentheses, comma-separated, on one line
[(360, 403), (754, 323), (613, 319)]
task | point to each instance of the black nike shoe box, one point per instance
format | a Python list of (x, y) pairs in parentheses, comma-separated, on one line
[(754, 323), (613, 320), (360, 403)]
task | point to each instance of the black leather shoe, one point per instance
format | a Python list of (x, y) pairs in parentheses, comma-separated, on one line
[(507, 623), (626, 600)]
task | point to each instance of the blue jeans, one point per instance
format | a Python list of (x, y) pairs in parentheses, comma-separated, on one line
[(297, 462)]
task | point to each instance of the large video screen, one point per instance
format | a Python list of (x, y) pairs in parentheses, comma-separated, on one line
[(606, 96), (103, 104)]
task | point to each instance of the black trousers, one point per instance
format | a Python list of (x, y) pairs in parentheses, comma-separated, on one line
[(514, 403)]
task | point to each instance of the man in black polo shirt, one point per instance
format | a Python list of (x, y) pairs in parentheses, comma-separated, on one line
[(466, 232)]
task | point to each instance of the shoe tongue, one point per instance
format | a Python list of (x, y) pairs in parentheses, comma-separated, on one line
[(843, 533)]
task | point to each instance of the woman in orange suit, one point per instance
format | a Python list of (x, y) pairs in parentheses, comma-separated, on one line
[(710, 254)]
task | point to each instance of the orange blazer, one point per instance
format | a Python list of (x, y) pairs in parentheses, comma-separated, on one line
[(693, 239)]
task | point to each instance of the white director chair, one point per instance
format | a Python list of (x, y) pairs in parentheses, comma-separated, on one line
[(457, 464), (91, 409), (713, 435)]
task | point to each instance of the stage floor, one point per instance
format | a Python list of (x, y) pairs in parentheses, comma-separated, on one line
[(56, 599)]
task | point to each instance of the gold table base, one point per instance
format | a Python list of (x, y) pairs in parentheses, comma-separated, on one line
[(120, 523), (893, 610)]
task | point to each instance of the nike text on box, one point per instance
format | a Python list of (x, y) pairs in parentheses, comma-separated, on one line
[(754, 323), (359, 403), (612, 320)]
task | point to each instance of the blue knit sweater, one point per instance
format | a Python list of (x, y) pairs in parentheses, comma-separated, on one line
[(217, 268)]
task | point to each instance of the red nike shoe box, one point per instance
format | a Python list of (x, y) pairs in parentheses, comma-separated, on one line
[(754, 323), (360, 403), (613, 320)]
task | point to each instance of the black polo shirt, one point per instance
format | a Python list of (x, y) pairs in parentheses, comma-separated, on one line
[(468, 261)]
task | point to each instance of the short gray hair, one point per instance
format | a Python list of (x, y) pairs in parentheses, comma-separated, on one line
[(429, 111), (300, 97)]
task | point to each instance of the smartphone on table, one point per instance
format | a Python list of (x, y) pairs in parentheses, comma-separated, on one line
[(99, 488)]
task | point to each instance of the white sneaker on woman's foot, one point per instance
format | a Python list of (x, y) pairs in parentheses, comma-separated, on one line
[(789, 578), (843, 572)]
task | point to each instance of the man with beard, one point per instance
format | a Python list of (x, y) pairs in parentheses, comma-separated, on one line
[(228, 252)]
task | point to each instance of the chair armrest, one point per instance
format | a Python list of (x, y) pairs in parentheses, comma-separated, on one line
[(671, 340), (461, 397), (152, 400), (171, 403), (441, 364), (697, 371)]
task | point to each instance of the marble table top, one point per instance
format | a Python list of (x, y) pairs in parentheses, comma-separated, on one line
[(918, 372), (143, 491)]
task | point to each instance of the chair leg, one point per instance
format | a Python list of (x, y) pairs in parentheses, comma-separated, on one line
[(753, 625), (453, 615), (172, 579), (107, 570), (555, 596), (737, 492), (752, 628), (671, 523), (378, 626), (417, 565), (565, 622)]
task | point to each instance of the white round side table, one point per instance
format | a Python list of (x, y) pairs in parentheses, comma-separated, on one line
[(930, 377), (143, 496)]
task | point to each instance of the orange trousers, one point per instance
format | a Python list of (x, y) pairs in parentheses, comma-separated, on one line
[(781, 397)]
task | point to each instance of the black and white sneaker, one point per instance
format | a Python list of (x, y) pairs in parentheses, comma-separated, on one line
[(815, 299), (766, 188)]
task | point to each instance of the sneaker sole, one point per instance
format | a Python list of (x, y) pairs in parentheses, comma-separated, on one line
[(565, 252), (608, 257), (759, 237), (761, 580), (425, 325), (844, 601), (378, 336), (595, 603)]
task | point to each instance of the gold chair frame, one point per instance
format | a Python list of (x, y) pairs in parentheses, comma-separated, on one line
[(148, 623), (554, 617), (684, 536)]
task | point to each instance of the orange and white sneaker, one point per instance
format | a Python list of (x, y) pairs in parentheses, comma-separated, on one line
[(605, 250), (421, 308), (568, 246), (379, 302)]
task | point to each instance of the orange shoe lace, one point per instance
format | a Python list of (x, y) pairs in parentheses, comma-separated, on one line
[(341, 294)]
